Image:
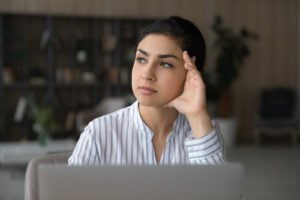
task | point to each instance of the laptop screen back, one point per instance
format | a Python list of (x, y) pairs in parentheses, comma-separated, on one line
[(140, 182)]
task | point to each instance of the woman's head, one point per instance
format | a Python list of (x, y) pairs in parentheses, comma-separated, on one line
[(187, 35), (158, 73)]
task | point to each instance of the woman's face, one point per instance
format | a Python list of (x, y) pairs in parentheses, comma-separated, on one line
[(158, 73)]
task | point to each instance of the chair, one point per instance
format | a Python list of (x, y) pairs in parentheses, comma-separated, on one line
[(107, 105), (277, 114), (31, 178)]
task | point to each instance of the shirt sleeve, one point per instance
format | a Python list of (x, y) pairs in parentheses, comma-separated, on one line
[(207, 150), (85, 151)]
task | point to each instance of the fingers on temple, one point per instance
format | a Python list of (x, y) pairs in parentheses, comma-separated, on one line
[(189, 62)]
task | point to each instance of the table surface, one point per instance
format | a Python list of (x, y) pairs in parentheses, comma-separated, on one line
[(17, 153)]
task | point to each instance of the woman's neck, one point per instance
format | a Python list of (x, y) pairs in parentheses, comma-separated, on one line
[(159, 120)]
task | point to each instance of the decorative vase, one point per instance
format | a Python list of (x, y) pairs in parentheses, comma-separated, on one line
[(43, 137), (228, 127)]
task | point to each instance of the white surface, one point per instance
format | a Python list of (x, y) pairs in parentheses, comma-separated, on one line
[(271, 172), (15, 153), (14, 157), (12, 184)]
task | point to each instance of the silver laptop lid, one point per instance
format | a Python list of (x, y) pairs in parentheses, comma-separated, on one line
[(140, 182)]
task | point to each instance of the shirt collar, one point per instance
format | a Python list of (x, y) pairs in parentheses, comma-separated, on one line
[(138, 122), (179, 123)]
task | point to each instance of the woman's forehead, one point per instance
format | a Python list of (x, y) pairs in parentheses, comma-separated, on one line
[(158, 44)]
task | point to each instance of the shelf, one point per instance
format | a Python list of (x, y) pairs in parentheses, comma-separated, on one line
[(56, 85), (65, 74)]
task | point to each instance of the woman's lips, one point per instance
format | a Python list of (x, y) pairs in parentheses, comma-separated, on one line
[(146, 90)]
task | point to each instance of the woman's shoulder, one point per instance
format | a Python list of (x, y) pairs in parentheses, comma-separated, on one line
[(111, 122)]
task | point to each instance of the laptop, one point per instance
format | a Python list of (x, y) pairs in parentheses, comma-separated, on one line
[(177, 182)]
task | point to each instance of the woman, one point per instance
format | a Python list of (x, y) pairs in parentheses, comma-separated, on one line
[(168, 124)]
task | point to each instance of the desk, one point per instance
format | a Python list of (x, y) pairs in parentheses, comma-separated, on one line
[(14, 157), (16, 153)]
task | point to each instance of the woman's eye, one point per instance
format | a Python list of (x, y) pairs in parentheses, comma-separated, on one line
[(166, 65), (140, 60)]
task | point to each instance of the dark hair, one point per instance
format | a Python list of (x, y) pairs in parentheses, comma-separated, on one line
[(188, 35)]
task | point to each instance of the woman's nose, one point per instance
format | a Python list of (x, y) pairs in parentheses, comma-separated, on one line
[(148, 72)]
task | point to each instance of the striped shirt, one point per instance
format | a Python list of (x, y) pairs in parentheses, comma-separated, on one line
[(122, 138)]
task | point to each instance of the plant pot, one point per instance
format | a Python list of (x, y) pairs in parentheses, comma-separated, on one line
[(228, 127)]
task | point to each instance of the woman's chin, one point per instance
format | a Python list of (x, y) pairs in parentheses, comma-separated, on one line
[(154, 101), (151, 103), (147, 103)]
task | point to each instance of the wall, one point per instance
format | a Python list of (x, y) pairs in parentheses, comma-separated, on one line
[(274, 57)]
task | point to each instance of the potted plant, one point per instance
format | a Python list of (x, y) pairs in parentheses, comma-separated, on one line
[(45, 123), (232, 50)]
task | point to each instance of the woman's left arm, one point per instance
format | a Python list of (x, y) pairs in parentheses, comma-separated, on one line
[(206, 150), (206, 137)]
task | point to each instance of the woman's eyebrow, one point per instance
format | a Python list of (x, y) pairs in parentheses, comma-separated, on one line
[(161, 56), (167, 56), (143, 52)]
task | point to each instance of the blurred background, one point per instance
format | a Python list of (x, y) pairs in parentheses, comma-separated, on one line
[(63, 63)]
